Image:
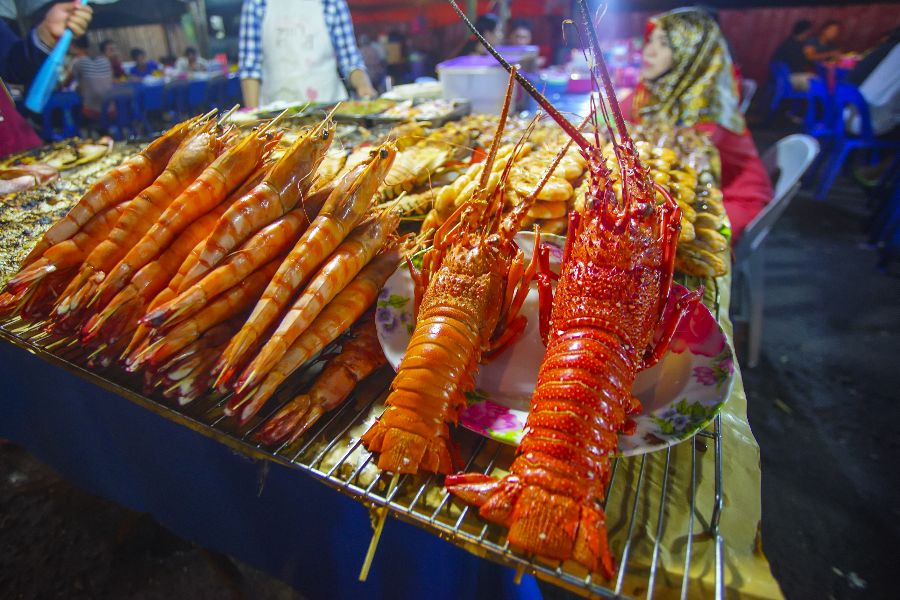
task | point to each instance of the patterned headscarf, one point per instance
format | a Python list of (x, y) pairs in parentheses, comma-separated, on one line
[(701, 86)]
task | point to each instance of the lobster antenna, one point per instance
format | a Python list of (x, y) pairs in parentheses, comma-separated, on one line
[(540, 98), (498, 197), (498, 134), (601, 66)]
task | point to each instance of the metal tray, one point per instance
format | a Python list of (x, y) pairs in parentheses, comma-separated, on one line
[(331, 452)]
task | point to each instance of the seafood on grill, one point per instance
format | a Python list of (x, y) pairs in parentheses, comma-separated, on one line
[(346, 206), (211, 187), (468, 293), (345, 263), (77, 152), (450, 197), (121, 183), (194, 155), (611, 297), (25, 177), (348, 306), (286, 184), (39, 284), (264, 246), (360, 356)]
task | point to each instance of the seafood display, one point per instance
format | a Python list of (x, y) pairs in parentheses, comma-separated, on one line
[(611, 297), (360, 355), (181, 262), (224, 263)]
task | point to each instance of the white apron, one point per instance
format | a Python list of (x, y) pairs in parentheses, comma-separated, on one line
[(298, 60)]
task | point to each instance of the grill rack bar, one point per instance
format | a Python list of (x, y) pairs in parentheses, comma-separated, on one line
[(418, 500)]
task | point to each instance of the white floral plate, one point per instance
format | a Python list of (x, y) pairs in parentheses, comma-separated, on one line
[(680, 395)]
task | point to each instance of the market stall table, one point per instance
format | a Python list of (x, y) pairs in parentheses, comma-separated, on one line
[(225, 493), (682, 522)]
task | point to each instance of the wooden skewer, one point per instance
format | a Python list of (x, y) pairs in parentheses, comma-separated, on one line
[(520, 570), (225, 117), (274, 121), (381, 516)]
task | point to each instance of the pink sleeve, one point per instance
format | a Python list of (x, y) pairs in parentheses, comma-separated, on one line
[(746, 188)]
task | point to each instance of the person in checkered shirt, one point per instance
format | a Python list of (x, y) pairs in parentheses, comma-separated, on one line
[(298, 51)]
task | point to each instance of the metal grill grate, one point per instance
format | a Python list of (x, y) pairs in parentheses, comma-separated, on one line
[(332, 453)]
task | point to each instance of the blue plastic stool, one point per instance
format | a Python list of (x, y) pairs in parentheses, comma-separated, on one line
[(233, 93), (196, 97), (848, 96), (175, 98), (781, 81), (66, 104), (117, 112)]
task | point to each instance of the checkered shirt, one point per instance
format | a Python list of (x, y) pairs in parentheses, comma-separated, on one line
[(337, 20)]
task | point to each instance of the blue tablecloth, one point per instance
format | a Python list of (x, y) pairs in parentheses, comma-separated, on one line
[(282, 521)]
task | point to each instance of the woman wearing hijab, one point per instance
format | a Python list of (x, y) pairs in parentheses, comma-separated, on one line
[(687, 79)]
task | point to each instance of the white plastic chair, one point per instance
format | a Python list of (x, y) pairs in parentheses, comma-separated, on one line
[(786, 163), (748, 89)]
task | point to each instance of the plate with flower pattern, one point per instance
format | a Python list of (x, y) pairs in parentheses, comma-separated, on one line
[(680, 395)]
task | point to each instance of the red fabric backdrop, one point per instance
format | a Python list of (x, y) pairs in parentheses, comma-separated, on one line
[(754, 33)]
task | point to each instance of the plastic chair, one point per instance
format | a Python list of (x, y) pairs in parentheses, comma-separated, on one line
[(216, 93), (849, 96), (196, 96), (117, 112), (820, 107), (233, 93), (148, 98), (175, 98), (748, 89), (783, 90), (786, 162), (66, 105)]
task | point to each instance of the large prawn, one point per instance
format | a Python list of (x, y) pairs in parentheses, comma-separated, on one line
[(120, 184), (286, 184), (191, 158), (225, 174), (610, 299), (345, 207)]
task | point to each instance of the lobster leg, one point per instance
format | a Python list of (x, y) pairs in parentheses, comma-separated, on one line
[(418, 286), (681, 307), (545, 297)]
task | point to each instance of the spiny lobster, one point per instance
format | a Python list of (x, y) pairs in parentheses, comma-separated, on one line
[(611, 297)]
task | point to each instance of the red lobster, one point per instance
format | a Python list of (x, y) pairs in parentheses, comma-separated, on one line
[(610, 299), (468, 295)]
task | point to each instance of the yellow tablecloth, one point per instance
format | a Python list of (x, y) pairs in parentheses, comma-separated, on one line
[(746, 571)]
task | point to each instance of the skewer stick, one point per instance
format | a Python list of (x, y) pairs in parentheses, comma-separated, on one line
[(520, 570), (228, 114), (66, 342), (381, 517), (274, 121), (209, 115)]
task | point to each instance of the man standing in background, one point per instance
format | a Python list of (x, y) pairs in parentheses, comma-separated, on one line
[(298, 51)]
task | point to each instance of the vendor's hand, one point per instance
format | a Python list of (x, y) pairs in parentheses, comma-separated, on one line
[(67, 15), (359, 79)]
